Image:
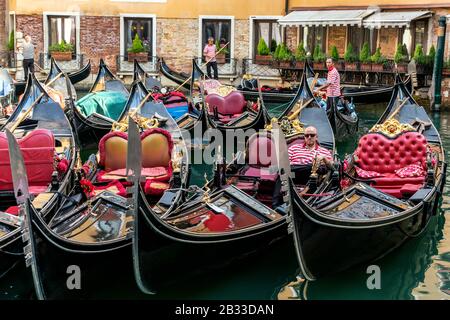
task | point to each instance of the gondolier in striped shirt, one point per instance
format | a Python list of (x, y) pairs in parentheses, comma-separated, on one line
[(302, 155), (333, 85)]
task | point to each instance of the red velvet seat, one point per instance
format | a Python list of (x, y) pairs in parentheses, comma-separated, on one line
[(157, 145), (378, 153), (38, 150), (229, 107), (260, 156)]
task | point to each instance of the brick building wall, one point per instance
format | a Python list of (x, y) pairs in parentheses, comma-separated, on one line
[(100, 38), (3, 31), (291, 38), (336, 37), (33, 26)]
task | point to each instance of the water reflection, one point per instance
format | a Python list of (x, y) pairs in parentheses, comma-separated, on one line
[(418, 270)]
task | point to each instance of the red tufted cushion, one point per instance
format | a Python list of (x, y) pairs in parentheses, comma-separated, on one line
[(233, 103), (38, 150), (378, 153)]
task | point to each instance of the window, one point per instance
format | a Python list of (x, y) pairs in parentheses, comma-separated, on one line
[(62, 28), (316, 36), (420, 34), (141, 27), (269, 31), (220, 30)]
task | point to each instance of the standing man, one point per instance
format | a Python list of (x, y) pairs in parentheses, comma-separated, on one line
[(28, 56), (333, 85), (209, 52)]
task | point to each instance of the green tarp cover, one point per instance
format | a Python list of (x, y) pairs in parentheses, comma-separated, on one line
[(109, 104)]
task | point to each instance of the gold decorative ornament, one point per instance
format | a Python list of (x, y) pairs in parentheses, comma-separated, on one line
[(392, 128), (247, 76), (225, 90)]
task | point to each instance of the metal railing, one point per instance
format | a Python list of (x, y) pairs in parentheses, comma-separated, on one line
[(229, 68), (262, 70), (150, 64), (76, 63)]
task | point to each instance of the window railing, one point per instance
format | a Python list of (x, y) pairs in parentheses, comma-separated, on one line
[(76, 62), (148, 63), (229, 68), (262, 70)]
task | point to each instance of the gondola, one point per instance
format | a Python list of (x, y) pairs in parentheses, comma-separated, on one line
[(104, 104), (357, 94), (234, 215), (139, 74), (388, 192), (74, 76), (50, 150), (91, 230)]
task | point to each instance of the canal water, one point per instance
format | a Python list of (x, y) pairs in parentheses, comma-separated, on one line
[(420, 269)]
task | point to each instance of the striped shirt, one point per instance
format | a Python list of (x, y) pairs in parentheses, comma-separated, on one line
[(300, 154), (334, 89)]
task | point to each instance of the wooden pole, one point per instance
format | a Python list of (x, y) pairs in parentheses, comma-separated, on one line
[(35, 102), (204, 64)]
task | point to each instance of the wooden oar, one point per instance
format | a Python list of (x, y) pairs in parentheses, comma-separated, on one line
[(302, 106), (178, 88), (35, 102), (313, 83), (122, 123), (398, 109)]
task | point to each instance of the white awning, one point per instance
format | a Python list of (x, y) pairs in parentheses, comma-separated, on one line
[(394, 19), (325, 18)]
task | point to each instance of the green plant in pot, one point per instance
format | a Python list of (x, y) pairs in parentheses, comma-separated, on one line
[(350, 59), (285, 56), (420, 59), (263, 53), (400, 59), (364, 58), (378, 61), (319, 58), (300, 56), (137, 51), (61, 51), (335, 56), (221, 56)]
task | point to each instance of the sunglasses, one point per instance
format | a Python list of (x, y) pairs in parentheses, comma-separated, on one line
[(310, 135)]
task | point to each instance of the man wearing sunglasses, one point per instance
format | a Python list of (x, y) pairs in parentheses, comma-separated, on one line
[(302, 155)]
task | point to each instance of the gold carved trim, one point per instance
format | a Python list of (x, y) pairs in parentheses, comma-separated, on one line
[(392, 128)]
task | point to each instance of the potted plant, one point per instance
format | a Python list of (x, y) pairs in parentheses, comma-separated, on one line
[(401, 59), (378, 61), (221, 56), (350, 59), (10, 46), (364, 58), (276, 57), (273, 46), (318, 58), (61, 51), (429, 60), (335, 56), (419, 59), (263, 56), (285, 57), (300, 56), (137, 51)]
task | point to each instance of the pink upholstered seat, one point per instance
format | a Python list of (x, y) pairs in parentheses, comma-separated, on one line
[(38, 150), (378, 153), (229, 107)]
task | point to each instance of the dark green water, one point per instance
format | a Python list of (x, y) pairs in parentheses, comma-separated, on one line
[(418, 270)]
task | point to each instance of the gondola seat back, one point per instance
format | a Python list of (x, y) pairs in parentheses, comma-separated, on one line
[(113, 151), (381, 159), (229, 107), (260, 156), (38, 151)]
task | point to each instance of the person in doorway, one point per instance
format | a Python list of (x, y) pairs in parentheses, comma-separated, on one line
[(28, 56), (209, 52)]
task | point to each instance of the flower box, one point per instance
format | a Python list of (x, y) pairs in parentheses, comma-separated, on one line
[(264, 60), (220, 58), (318, 65), (340, 65), (351, 66), (377, 67), (365, 67), (299, 64), (402, 67), (285, 65), (61, 56), (138, 56)]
